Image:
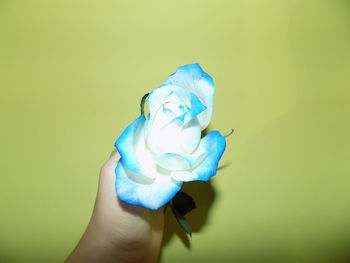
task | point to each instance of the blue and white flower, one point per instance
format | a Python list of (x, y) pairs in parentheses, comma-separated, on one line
[(160, 152)]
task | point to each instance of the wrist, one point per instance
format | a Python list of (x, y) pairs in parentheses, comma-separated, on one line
[(102, 243)]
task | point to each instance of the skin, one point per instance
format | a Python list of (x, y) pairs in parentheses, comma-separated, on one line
[(118, 232)]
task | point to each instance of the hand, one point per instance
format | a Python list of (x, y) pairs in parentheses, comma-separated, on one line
[(118, 232)]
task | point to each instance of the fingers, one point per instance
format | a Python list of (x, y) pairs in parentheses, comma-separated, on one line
[(113, 158), (109, 166), (111, 163), (107, 175)]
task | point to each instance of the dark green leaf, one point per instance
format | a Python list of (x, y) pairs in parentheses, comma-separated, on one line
[(182, 222), (183, 203), (142, 103)]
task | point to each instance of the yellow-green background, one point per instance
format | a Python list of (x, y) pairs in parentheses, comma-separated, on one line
[(72, 73)]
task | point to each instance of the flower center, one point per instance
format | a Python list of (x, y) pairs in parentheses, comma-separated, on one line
[(173, 109)]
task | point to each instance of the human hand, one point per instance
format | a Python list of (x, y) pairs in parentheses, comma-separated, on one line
[(118, 232)]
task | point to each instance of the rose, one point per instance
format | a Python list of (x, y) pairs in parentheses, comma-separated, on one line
[(160, 152)]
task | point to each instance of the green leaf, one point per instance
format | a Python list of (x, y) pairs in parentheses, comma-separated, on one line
[(183, 203), (142, 103), (182, 222)]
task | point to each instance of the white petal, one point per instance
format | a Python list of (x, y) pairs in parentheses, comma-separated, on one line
[(214, 145), (183, 176), (133, 150), (205, 160), (152, 195), (161, 94), (191, 134), (192, 78), (172, 161), (164, 136)]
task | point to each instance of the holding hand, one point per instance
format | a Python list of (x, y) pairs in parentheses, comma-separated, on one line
[(118, 232)]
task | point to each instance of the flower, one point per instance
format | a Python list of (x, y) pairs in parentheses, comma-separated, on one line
[(161, 151)]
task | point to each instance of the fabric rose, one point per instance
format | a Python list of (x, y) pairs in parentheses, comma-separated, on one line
[(161, 151)]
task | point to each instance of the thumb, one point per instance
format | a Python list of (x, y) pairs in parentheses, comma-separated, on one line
[(106, 187)]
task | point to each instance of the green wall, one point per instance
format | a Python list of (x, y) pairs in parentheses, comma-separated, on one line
[(72, 73)]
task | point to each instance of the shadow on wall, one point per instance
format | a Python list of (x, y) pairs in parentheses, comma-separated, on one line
[(4, 257), (203, 195)]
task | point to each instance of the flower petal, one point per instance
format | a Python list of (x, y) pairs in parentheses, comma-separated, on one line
[(214, 144), (196, 108), (172, 161), (183, 176), (151, 195), (191, 135), (162, 94), (164, 136), (132, 149), (192, 78)]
